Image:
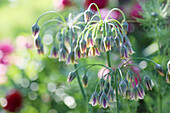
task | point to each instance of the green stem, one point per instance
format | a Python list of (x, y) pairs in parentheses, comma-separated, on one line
[(117, 97), (108, 59), (81, 88), (116, 9), (49, 13), (159, 79), (97, 10)]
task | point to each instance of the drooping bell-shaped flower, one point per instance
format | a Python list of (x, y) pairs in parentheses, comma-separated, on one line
[(41, 49), (141, 92), (111, 95), (54, 52), (129, 94), (103, 49), (159, 69), (94, 99), (107, 43), (87, 15), (83, 46), (122, 87), (135, 93), (38, 42), (62, 54), (168, 78), (112, 41), (71, 76), (74, 44), (148, 82), (85, 80), (94, 51), (35, 29), (123, 52), (125, 26), (104, 101), (129, 48), (117, 42), (77, 52), (89, 41), (71, 59), (98, 42), (86, 54)]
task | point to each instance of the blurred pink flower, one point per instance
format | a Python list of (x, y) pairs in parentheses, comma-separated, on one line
[(103, 71), (99, 3), (61, 4), (6, 49), (23, 42), (105, 11), (135, 11)]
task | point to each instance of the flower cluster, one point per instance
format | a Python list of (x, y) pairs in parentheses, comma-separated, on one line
[(116, 82), (86, 38), (80, 38)]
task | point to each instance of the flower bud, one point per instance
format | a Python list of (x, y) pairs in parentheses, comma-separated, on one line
[(104, 101), (168, 66), (107, 43), (141, 92), (35, 29), (87, 15), (54, 52), (107, 87), (125, 26), (98, 42), (102, 82), (85, 80), (94, 99), (94, 51), (117, 41), (77, 52), (135, 93), (71, 76), (148, 82), (41, 49), (168, 78), (111, 95), (38, 42), (123, 86), (83, 46), (71, 59), (159, 69)]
